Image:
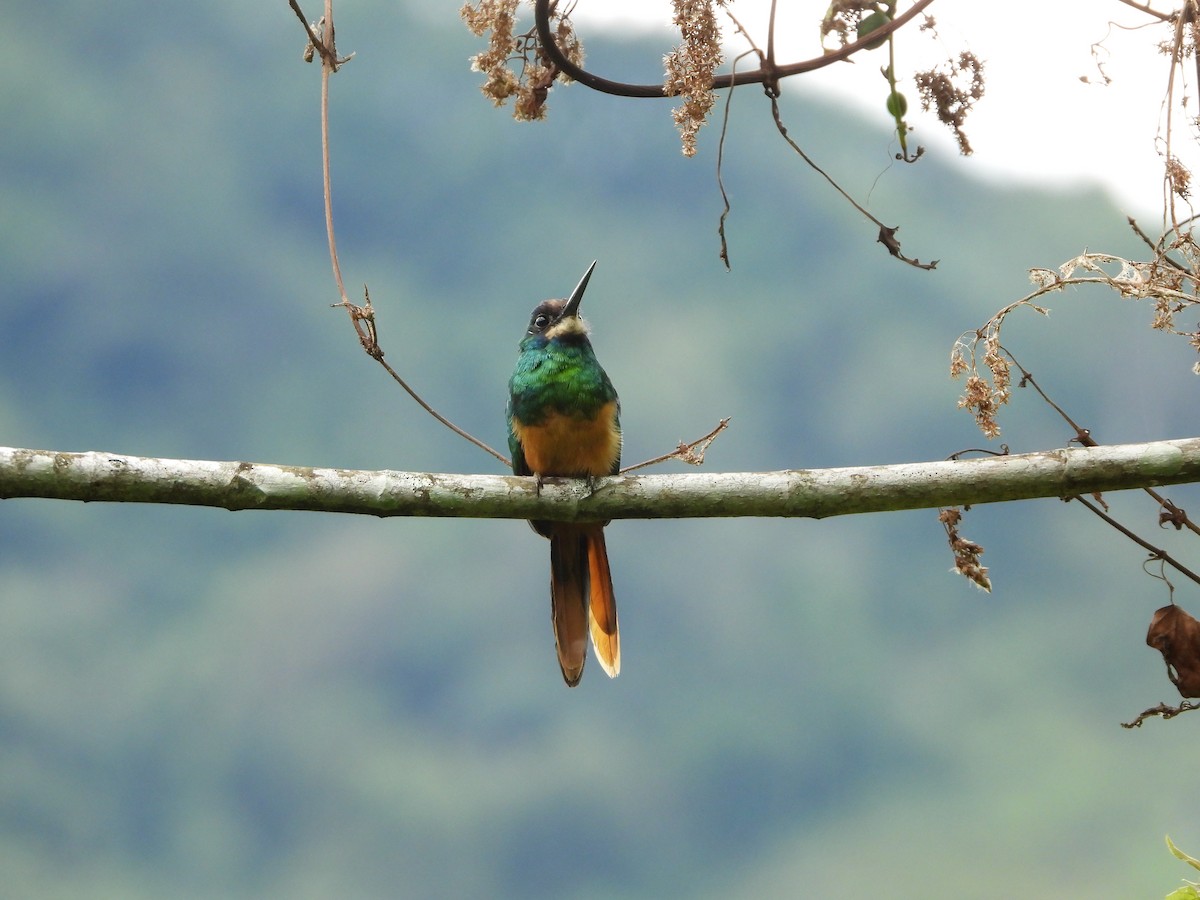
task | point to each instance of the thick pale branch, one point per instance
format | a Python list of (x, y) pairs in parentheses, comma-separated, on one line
[(816, 493)]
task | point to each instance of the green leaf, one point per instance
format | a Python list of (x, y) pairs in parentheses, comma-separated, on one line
[(1179, 854), (869, 24)]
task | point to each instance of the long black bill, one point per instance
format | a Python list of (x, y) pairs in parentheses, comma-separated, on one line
[(572, 307)]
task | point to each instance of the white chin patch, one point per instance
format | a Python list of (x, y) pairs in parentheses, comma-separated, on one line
[(569, 325)]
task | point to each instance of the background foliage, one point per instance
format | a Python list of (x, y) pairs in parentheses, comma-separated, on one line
[(206, 704)]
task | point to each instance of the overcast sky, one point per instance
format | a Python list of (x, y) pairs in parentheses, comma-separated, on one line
[(1038, 121)]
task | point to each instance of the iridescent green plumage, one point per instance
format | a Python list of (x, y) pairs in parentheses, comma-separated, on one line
[(555, 378)]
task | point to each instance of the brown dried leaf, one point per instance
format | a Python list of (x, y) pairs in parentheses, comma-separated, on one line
[(1176, 635)]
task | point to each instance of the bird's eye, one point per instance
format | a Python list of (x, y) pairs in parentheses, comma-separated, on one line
[(540, 321)]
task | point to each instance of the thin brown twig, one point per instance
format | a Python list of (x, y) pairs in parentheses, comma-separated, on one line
[(1167, 712), (1185, 17), (313, 40), (887, 234), (1145, 8), (1137, 229), (813, 164), (1082, 435), (1176, 59), (771, 83), (959, 454), (328, 67), (721, 160), (437, 415), (1170, 514), (362, 318), (692, 454), (1155, 552), (741, 29)]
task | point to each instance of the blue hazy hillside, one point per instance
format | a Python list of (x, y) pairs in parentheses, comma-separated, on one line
[(201, 704)]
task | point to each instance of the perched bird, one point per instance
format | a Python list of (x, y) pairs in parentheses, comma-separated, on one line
[(564, 419)]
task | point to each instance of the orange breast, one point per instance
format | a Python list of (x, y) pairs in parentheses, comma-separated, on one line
[(564, 445)]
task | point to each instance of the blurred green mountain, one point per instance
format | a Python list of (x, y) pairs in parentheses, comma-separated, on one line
[(200, 704)]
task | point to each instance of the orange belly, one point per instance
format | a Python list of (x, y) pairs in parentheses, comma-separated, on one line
[(565, 445)]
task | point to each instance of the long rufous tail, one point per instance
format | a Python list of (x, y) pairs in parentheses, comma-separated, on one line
[(602, 609), (581, 600)]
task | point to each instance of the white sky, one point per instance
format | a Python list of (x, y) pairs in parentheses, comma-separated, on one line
[(1037, 122)]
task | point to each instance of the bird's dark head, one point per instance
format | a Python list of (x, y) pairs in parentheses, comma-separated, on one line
[(560, 319)]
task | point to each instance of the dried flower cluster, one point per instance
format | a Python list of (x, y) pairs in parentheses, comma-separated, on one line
[(530, 81), (940, 92), (690, 67), (983, 395), (1179, 177), (1181, 44), (966, 553), (1171, 281)]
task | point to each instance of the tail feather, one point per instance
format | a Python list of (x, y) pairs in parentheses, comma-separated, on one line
[(568, 599), (582, 601), (602, 607)]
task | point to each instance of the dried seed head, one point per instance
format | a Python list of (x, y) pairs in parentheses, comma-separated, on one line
[(514, 64), (941, 92), (690, 67), (966, 553)]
